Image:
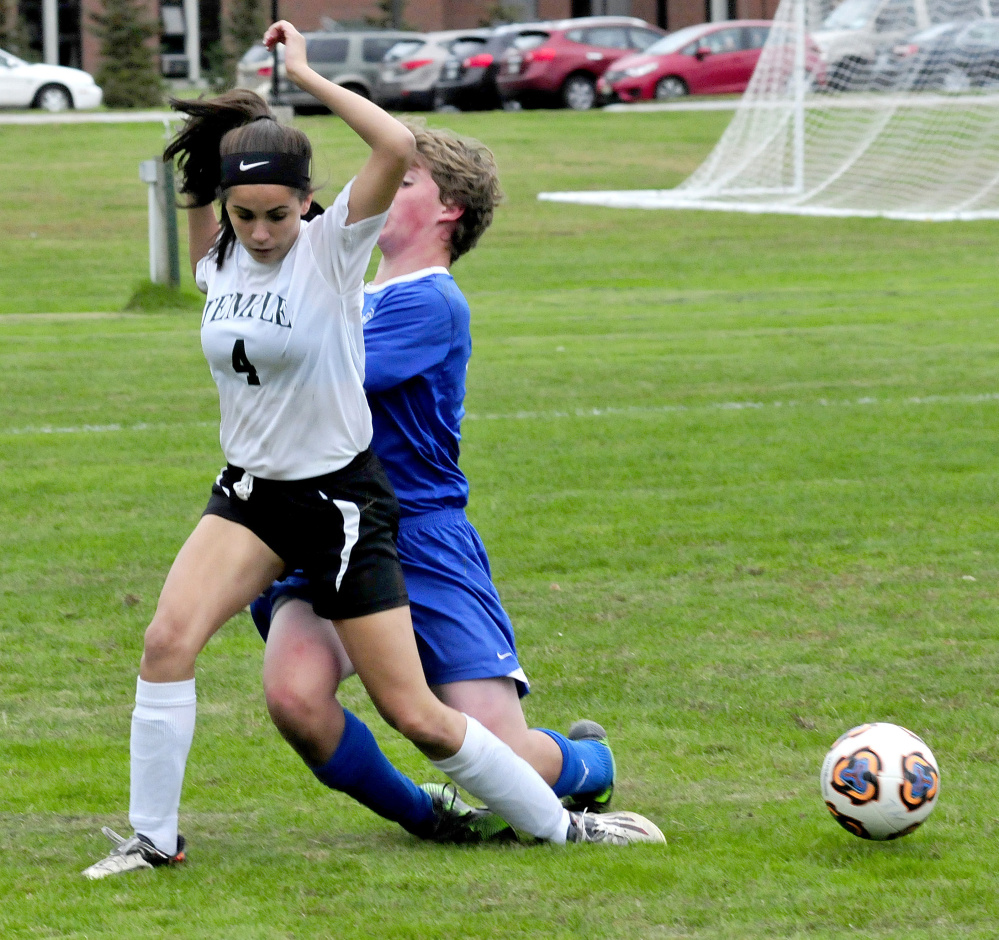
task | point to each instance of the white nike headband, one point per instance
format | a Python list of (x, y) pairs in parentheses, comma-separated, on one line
[(262, 166)]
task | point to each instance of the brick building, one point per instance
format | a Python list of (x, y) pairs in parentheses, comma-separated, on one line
[(77, 46)]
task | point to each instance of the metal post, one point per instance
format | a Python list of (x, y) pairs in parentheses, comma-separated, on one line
[(192, 40), (274, 64), (50, 31), (800, 80), (170, 212), (164, 261)]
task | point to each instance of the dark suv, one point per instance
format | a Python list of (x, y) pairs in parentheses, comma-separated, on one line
[(409, 74), (468, 82), (559, 63), (348, 57)]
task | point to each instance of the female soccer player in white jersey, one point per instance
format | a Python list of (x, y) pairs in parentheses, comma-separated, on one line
[(301, 489), (417, 345)]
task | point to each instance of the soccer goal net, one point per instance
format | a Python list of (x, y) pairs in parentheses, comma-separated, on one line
[(870, 108)]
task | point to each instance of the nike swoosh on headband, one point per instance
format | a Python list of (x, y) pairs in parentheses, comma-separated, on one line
[(264, 166)]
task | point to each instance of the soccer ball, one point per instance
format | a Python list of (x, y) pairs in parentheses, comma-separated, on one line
[(880, 781)]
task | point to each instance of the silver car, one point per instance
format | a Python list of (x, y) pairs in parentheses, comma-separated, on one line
[(855, 37), (350, 58), (411, 69)]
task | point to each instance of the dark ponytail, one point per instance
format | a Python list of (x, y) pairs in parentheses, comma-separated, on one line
[(196, 145), (237, 121)]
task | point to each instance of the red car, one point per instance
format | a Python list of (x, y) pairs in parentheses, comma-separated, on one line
[(559, 63), (710, 59)]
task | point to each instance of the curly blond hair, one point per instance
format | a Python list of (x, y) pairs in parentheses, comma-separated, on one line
[(465, 172)]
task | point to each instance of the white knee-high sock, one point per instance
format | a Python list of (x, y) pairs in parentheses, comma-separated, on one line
[(162, 731), (507, 784)]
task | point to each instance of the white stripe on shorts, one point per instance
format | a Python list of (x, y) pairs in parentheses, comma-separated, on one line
[(351, 529)]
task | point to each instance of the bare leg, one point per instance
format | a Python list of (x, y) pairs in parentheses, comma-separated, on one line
[(382, 648), (496, 704), (304, 664), (220, 568)]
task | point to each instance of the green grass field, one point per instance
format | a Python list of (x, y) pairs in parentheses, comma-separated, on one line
[(737, 476)]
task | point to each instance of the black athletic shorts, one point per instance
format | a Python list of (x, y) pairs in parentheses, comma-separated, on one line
[(340, 529)]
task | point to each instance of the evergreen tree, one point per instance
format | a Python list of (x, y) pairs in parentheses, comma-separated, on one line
[(14, 36), (243, 27), (499, 13), (389, 16), (127, 72), (7, 18)]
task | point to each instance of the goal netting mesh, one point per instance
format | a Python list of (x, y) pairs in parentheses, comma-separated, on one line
[(870, 108)]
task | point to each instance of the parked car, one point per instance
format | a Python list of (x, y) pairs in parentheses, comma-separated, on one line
[(708, 59), (559, 63), (348, 57), (469, 83), (854, 33), (854, 36), (254, 68), (49, 87), (411, 69), (946, 57)]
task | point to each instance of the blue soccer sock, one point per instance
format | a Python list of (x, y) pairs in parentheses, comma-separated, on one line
[(359, 769), (587, 766)]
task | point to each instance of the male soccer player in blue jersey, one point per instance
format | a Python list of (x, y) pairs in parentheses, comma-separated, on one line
[(417, 346)]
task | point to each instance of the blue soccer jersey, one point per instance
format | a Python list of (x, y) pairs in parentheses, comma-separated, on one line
[(417, 343)]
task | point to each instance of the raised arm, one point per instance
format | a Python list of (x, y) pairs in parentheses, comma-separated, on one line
[(202, 230), (392, 145)]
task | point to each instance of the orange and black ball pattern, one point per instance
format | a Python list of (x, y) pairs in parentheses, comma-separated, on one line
[(856, 776), (920, 781)]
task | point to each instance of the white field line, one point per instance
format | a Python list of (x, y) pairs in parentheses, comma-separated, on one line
[(108, 428), (640, 410), (93, 117), (612, 411), (822, 102)]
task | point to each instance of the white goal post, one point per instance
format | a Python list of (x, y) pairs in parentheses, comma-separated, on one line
[(869, 108)]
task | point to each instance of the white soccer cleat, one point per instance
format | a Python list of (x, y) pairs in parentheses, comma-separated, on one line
[(620, 828), (132, 855)]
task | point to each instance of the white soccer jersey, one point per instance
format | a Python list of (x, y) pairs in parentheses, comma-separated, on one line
[(286, 349)]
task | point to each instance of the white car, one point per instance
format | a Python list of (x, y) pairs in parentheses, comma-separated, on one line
[(51, 87)]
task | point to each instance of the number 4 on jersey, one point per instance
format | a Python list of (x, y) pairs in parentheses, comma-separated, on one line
[(243, 365)]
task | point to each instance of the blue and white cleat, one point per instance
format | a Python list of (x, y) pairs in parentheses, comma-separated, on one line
[(595, 801)]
